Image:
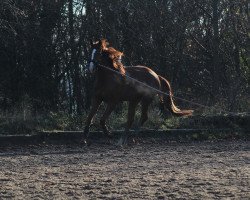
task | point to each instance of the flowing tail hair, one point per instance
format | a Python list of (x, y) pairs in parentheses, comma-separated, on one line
[(167, 99)]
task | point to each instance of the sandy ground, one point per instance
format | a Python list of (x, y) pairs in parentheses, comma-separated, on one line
[(206, 170)]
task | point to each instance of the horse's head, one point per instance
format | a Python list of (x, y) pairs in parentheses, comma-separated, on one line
[(104, 55), (96, 51)]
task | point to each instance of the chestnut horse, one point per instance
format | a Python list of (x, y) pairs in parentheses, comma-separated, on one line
[(112, 88)]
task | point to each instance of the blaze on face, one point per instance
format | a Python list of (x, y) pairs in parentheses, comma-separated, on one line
[(92, 64), (97, 47)]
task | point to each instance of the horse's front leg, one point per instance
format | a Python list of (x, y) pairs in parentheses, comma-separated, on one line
[(110, 107), (94, 108)]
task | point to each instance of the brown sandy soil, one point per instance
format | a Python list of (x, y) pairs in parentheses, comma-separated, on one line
[(205, 170)]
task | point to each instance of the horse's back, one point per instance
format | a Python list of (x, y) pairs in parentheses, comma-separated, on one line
[(137, 79), (143, 74)]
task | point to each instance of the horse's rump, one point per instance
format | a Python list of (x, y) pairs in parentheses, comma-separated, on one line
[(142, 76)]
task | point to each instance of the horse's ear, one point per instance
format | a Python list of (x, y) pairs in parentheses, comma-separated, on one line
[(101, 41), (91, 42)]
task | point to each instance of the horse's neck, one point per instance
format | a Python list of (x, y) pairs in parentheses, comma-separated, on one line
[(106, 76), (104, 73)]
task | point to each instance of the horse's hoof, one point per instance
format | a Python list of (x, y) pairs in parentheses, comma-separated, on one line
[(88, 143), (123, 142), (85, 142), (109, 141), (134, 140), (108, 133)]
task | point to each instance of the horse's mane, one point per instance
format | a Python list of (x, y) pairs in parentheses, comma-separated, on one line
[(114, 55)]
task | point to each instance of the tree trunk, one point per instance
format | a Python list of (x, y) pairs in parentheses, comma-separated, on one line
[(216, 63)]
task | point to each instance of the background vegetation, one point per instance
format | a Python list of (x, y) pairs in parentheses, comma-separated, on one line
[(201, 46)]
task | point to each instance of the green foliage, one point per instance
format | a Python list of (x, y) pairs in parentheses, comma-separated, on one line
[(21, 119), (44, 46)]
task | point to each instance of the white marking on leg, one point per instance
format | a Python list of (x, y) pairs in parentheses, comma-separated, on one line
[(91, 64)]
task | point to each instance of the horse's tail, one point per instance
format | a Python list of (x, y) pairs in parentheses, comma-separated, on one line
[(167, 99)]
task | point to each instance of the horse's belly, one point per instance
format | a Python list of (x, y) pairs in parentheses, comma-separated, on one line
[(135, 93), (139, 83)]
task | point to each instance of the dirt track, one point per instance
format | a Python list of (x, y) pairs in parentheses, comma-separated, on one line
[(149, 171)]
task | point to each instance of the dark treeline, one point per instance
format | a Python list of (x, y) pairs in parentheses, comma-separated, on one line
[(201, 46)]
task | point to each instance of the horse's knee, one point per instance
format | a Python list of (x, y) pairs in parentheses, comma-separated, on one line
[(102, 122)]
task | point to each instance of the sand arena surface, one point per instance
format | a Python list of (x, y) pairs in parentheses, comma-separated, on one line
[(203, 170)]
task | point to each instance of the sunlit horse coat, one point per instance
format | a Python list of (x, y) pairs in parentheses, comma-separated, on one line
[(112, 88)]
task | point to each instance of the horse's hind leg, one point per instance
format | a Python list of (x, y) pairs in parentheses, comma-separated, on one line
[(110, 107), (144, 111), (144, 115), (130, 120), (94, 107)]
